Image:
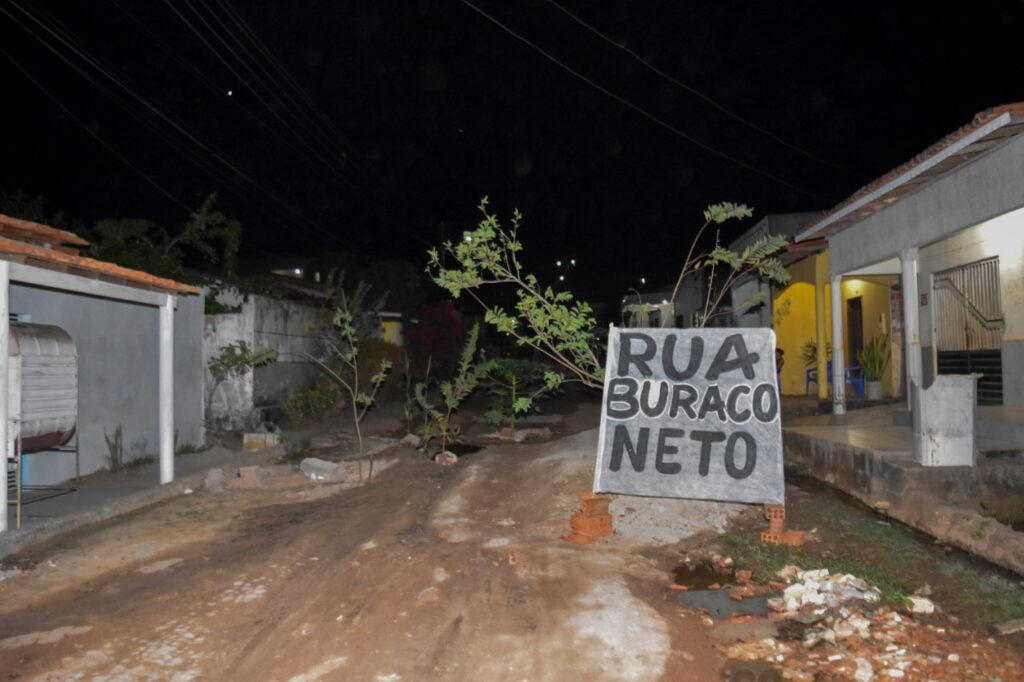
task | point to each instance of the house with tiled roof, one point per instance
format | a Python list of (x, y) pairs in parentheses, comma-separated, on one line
[(90, 349), (944, 233)]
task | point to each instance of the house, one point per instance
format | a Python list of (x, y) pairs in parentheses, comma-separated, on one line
[(132, 346), (946, 231)]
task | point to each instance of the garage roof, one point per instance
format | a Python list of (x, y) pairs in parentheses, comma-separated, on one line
[(42, 246)]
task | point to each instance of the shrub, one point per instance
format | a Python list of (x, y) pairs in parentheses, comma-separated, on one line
[(313, 402)]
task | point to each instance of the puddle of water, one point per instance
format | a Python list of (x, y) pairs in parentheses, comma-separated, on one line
[(719, 605), (750, 671), (700, 577)]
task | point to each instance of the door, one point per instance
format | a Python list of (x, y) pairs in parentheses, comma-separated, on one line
[(855, 329)]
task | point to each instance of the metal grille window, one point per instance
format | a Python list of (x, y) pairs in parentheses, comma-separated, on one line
[(968, 313)]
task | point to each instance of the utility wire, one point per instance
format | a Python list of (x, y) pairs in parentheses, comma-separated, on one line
[(306, 151), (274, 61), (707, 98), (99, 67), (291, 127), (668, 126), (53, 98)]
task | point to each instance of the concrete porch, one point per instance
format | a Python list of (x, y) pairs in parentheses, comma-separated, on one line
[(868, 454)]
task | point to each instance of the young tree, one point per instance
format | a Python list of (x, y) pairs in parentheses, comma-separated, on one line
[(341, 363), (550, 322)]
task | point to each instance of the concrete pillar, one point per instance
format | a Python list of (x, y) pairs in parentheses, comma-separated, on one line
[(820, 280), (5, 353), (911, 321), (167, 390), (838, 363)]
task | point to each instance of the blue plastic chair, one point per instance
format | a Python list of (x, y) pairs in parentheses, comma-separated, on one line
[(853, 375)]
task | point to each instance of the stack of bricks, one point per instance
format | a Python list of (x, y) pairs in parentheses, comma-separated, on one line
[(777, 533), (591, 522)]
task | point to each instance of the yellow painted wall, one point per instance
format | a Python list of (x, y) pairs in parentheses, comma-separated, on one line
[(792, 330), (797, 324), (874, 294)]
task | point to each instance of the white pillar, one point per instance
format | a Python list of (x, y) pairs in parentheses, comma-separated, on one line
[(911, 320), (838, 362), (167, 390), (5, 352)]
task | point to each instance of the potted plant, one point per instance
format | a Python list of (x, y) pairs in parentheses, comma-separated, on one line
[(874, 359)]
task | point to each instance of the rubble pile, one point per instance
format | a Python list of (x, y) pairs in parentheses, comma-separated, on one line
[(833, 626)]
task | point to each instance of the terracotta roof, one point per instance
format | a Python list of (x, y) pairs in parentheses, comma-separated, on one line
[(988, 129), (61, 260), (37, 233)]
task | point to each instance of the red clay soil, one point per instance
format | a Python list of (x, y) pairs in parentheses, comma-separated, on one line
[(447, 573)]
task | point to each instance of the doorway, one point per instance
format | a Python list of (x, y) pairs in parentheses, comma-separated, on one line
[(855, 329)]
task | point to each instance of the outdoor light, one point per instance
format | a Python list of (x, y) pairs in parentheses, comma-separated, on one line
[(572, 261), (561, 278), (558, 263), (297, 271), (467, 238), (230, 92), (643, 280)]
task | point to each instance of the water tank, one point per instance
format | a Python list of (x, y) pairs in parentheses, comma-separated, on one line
[(43, 373)]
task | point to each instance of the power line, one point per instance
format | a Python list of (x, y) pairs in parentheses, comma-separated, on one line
[(668, 126), (176, 126), (707, 98), (244, 81), (123, 159), (306, 151)]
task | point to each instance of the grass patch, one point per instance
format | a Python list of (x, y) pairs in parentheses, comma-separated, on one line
[(996, 598), (764, 561)]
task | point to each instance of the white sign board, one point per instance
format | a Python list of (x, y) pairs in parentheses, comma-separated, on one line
[(691, 413)]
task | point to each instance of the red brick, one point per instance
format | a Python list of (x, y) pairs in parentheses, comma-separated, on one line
[(595, 526), (592, 504)]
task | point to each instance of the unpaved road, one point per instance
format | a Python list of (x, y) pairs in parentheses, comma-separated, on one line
[(427, 573)]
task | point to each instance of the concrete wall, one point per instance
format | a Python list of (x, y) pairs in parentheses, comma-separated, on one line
[(295, 331), (118, 350), (229, 404), (1003, 237)]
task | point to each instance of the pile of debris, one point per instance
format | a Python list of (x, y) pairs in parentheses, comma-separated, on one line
[(252, 477), (834, 626)]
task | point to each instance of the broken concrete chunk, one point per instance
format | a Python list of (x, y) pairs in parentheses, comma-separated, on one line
[(316, 469), (446, 458), (922, 605), (412, 440), (215, 479)]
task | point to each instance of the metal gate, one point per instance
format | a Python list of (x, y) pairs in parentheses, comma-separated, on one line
[(969, 325)]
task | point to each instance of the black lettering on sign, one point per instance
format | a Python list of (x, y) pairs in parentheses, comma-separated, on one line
[(734, 345), (706, 440), (765, 414), (712, 403), (692, 365), (684, 396), (621, 443), (657, 408), (735, 415), (664, 449), (730, 455), (622, 391), (627, 357)]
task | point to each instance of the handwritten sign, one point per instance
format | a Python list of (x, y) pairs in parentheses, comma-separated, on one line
[(691, 413)]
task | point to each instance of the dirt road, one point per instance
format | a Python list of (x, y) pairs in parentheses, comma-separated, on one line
[(427, 573)]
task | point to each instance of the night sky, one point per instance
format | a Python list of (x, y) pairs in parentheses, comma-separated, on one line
[(410, 111)]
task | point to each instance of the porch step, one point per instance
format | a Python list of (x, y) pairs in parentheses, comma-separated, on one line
[(996, 423)]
